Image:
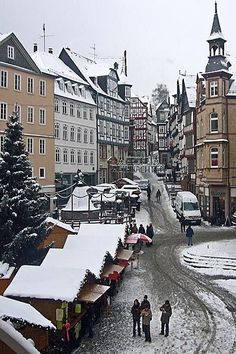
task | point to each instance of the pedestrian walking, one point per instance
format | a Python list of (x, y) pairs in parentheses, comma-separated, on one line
[(136, 313), (141, 229), (149, 233), (182, 223), (158, 195), (165, 317), (146, 319), (189, 235), (149, 192), (134, 229), (145, 302)]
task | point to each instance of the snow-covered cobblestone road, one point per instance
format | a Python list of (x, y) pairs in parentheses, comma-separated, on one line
[(203, 319)]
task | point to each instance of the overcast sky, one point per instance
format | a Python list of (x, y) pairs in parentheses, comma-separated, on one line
[(161, 36)]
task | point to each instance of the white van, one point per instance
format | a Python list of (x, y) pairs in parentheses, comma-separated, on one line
[(186, 204)]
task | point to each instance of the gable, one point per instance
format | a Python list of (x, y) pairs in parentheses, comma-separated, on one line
[(21, 57)]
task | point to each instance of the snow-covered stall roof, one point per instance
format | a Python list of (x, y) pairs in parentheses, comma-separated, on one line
[(60, 224), (15, 340), (129, 181), (82, 257), (14, 309), (79, 200), (50, 283), (104, 197)]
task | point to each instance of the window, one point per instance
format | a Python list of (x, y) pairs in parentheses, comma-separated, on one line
[(30, 85), (126, 133), (65, 132), (58, 155), (79, 159), (42, 172), (213, 88), (85, 113), (42, 116), (119, 135), (113, 131), (101, 127), (86, 157), (214, 122), (64, 107), (72, 110), (4, 79), (3, 110), (161, 129), (10, 52), (30, 115), (85, 135), (57, 130), (79, 135), (92, 158), (72, 157), (65, 155), (42, 146), (17, 82), (161, 143), (30, 145), (90, 114), (91, 137), (78, 112), (56, 105), (72, 133), (42, 88), (214, 157), (17, 109)]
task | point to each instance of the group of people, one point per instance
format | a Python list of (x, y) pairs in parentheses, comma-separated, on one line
[(143, 311), (133, 229), (158, 194), (189, 231)]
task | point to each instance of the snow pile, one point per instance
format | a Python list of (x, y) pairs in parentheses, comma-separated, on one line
[(21, 311), (5, 270)]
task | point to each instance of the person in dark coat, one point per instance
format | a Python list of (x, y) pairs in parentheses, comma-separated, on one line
[(182, 223), (189, 235), (136, 311), (145, 302), (149, 233), (149, 192), (158, 195), (141, 229), (134, 229), (165, 317), (146, 314)]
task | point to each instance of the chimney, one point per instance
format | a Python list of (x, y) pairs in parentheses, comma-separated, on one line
[(50, 50), (35, 47)]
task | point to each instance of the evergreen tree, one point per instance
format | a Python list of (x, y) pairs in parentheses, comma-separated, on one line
[(22, 208), (160, 93)]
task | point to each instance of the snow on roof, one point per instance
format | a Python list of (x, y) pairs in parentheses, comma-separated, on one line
[(19, 310), (51, 283), (232, 89), (20, 343), (190, 85), (79, 200), (71, 95), (51, 64), (61, 224), (104, 197), (129, 181), (3, 36), (5, 270), (106, 236), (216, 35)]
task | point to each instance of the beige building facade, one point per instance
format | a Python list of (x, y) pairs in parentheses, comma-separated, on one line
[(216, 133), (23, 88)]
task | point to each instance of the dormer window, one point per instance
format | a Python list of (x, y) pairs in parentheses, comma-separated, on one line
[(61, 85), (10, 52), (213, 88)]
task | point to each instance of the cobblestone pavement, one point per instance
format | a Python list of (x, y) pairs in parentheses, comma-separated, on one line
[(200, 319)]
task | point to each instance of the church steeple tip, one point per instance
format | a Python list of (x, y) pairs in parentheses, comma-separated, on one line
[(215, 7)]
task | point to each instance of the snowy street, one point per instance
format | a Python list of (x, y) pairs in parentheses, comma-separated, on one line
[(204, 317)]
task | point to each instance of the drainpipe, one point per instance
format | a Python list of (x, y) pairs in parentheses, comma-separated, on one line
[(228, 206)]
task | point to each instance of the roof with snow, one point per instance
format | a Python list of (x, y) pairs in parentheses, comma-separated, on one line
[(79, 200), (4, 36), (19, 310), (88, 250), (5, 270), (190, 86), (60, 224), (52, 283)]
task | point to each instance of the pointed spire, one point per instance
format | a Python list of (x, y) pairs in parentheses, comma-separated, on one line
[(216, 22)]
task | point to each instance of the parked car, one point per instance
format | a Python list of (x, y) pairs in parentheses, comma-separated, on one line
[(131, 189), (186, 204), (143, 184)]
